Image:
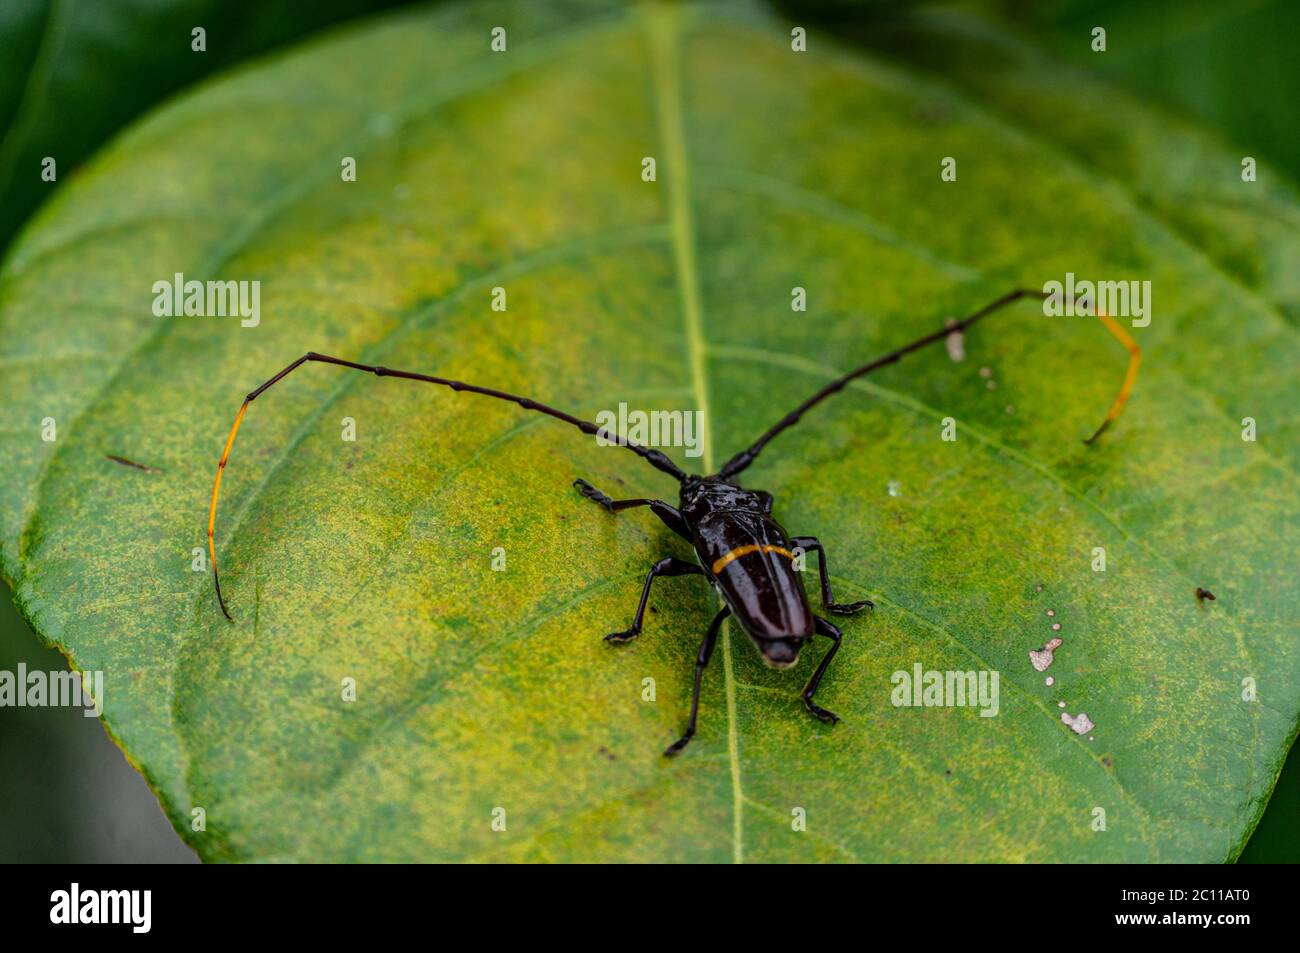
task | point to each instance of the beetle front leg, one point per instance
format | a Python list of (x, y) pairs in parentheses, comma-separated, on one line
[(669, 514), (811, 544), (701, 662), (831, 632), (668, 566)]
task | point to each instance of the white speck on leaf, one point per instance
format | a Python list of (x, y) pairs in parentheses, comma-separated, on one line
[(1043, 657), (956, 344), (1080, 724)]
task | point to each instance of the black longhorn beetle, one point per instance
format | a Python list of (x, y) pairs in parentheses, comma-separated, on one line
[(739, 546)]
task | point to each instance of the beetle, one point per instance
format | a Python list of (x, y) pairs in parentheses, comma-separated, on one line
[(740, 547)]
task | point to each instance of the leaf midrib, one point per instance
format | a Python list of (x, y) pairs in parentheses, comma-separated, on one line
[(663, 25)]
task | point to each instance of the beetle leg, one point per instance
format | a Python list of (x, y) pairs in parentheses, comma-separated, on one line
[(812, 544), (669, 514), (701, 661), (668, 566), (831, 632)]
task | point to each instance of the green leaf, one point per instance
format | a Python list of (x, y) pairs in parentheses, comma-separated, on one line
[(479, 690), (77, 70)]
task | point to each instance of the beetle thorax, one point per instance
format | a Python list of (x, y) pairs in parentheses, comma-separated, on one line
[(701, 496)]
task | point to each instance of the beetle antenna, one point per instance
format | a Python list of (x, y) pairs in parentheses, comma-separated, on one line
[(743, 459), (655, 458)]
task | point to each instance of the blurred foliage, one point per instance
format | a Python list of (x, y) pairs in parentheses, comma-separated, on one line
[(74, 72), (1231, 64)]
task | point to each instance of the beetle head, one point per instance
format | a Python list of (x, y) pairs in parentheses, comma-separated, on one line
[(779, 653)]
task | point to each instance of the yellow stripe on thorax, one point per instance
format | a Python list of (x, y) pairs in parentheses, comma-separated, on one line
[(721, 562)]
